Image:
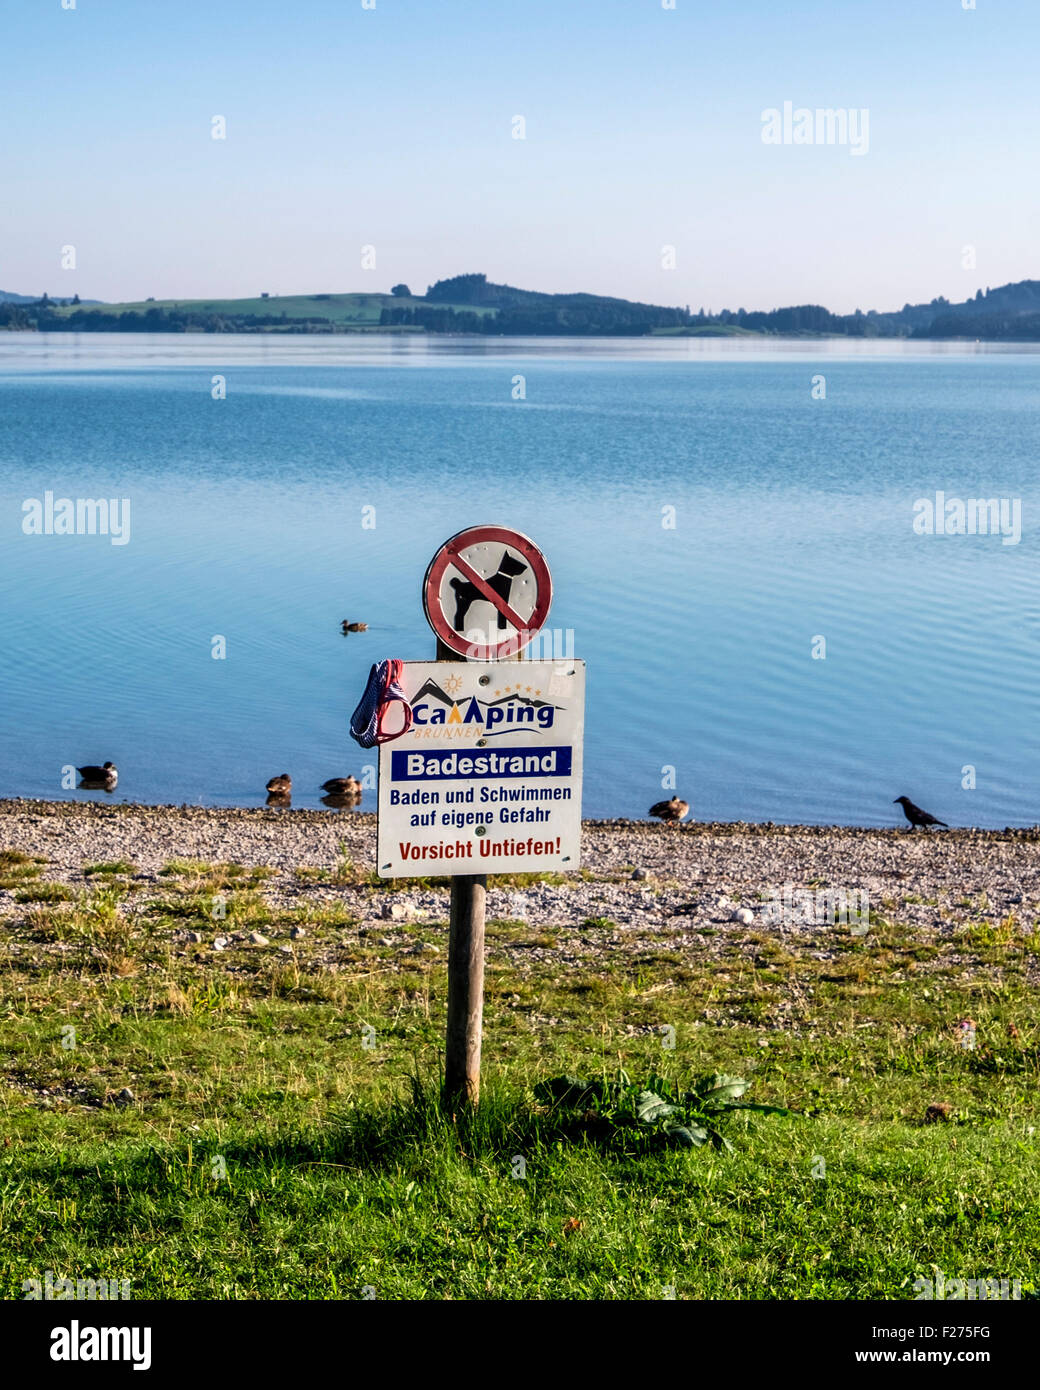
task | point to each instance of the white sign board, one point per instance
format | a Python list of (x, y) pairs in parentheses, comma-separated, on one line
[(488, 778)]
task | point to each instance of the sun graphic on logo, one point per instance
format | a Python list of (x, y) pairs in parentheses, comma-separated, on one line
[(452, 684)]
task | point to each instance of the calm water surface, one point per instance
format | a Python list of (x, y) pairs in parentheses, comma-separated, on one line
[(793, 521)]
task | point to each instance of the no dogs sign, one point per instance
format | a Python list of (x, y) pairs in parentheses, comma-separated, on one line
[(488, 778), (487, 592)]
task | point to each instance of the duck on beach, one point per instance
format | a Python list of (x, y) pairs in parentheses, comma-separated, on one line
[(342, 786), (280, 785), (105, 777), (671, 812), (354, 627)]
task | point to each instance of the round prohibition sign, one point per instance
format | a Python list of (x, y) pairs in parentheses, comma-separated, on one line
[(490, 565)]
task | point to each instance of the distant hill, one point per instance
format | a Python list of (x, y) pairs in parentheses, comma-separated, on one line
[(530, 311), (7, 298), (1008, 312), (472, 304)]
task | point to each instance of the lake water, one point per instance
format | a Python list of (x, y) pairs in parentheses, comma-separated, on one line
[(793, 521)]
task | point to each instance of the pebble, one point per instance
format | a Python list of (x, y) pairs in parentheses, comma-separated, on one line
[(125, 1096), (297, 933), (404, 911), (744, 915), (640, 873), (731, 863), (257, 939), (285, 950), (195, 937)]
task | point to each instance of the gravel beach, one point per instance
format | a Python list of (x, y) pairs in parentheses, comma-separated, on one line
[(693, 886)]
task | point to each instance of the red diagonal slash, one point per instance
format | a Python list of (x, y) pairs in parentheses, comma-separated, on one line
[(468, 572)]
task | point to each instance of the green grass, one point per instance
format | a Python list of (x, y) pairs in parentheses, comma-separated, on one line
[(716, 330), (15, 859), (109, 867), (196, 875), (18, 870), (36, 892), (345, 310), (276, 1148)]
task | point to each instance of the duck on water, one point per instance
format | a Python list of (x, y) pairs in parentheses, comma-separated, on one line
[(96, 778), (342, 786)]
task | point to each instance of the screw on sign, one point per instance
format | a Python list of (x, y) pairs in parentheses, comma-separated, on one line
[(487, 593)]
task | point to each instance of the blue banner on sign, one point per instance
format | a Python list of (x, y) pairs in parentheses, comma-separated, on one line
[(503, 762)]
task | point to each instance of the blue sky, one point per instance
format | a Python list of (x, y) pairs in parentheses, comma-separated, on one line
[(391, 127)]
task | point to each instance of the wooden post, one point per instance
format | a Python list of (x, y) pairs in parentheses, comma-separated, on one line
[(465, 975), (465, 989)]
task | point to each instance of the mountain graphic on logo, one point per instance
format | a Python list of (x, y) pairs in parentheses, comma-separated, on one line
[(431, 689)]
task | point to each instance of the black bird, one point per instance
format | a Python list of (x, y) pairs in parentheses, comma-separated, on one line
[(915, 815)]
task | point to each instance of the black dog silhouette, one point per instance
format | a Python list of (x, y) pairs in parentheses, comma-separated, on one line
[(466, 592)]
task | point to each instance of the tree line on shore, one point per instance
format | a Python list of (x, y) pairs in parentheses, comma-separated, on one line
[(472, 304)]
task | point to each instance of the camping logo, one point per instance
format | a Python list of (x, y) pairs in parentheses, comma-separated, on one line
[(512, 708)]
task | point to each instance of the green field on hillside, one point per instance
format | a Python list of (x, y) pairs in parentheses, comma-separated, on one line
[(357, 309)]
